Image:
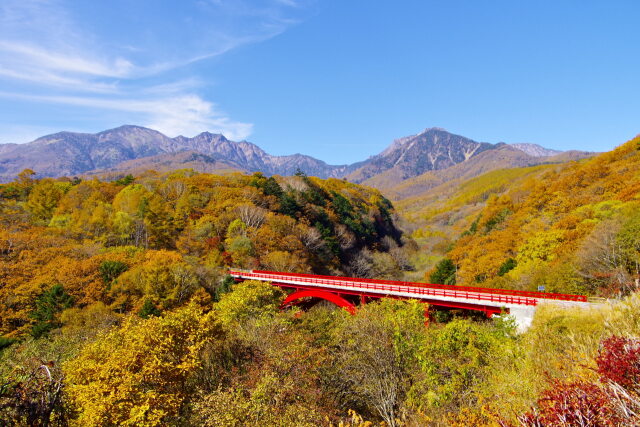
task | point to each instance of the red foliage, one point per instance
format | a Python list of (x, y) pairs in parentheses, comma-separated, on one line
[(227, 259), (573, 404), (619, 362), (214, 243), (589, 404), (195, 215)]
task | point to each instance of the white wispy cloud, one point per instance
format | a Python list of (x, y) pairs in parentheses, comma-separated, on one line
[(173, 115), (54, 56), (30, 55)]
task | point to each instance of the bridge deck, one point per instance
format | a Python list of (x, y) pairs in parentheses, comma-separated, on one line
[(431, 292)]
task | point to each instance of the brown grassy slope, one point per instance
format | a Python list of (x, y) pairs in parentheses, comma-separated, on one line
[(500, 158), (169, 162)]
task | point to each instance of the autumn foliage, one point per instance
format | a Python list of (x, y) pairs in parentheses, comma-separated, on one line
[(160, 241), (571, 228), (115, 306), (612, 401)]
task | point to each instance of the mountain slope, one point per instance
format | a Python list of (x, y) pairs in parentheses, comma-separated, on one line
[(502, 157), (252, 158), (172, 161), (433, 149), (68, 153), (535, 150), (571, 227), (133, 148)]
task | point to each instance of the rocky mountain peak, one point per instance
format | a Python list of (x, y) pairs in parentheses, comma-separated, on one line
[(210, 136), (432, 149), (70, 153)]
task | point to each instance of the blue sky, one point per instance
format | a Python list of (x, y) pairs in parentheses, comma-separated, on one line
[(335, 79)]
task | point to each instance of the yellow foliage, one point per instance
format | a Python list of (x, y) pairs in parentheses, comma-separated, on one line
[(540, 218), (163, 276), (249, 299), (136, 375), (540, 247)]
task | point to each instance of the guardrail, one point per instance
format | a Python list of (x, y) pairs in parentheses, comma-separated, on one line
[(386, 287), (510, 292)]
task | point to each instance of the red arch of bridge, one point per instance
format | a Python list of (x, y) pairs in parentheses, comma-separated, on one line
[(334, 298)]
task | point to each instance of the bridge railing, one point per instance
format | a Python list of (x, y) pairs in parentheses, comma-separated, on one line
[(509, 292), (386, 286)]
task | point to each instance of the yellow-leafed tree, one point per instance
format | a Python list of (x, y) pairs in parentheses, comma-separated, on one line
[(137, 374)]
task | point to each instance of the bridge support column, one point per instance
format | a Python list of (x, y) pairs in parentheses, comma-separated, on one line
[(427, 316)]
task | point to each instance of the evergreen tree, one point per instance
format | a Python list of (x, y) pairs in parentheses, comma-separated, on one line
[(110, 270), (507, 266), (445, 273), (148, 309), (48, 305)]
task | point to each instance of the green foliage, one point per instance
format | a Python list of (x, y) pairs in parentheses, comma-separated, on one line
[(628, 238), (314, 193), (269, 186), (341, 205), (455, 359), (442, 316), (272, 188), (225, 287), (6, 342), (149, 309), (472, 229), (47, 306), (385, 207), (110, 270), (236, 228), (329, 238), (288, 205), (445, 273), (495, 220), (377, 351), (507, 266), (126, 180)]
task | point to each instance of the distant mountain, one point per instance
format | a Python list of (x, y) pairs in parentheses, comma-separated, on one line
[(172, 161), (135, 149), (433, 149), (536, 150), (252, 158), (68, 153), (502, 157)]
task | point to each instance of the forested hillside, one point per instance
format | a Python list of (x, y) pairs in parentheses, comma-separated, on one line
[(115, 308), (573, 227), (157, 241)]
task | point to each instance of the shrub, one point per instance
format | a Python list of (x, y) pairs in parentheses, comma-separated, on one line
[(619, 361)]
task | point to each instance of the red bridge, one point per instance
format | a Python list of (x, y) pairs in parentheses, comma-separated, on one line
[(343, 290)]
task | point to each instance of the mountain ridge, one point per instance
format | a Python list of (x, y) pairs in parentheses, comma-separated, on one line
[(129, 146), (535, 150)]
